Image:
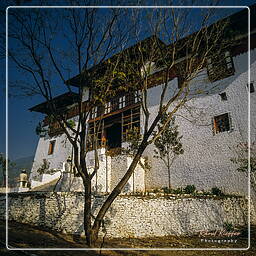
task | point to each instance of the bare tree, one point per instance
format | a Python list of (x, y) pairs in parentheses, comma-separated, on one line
[(151, 62), (95, 40)]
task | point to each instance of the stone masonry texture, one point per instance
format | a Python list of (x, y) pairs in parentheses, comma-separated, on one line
[(129, 216)]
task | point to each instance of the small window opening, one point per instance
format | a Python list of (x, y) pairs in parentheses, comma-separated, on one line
[(223, 96), (51, 147), (251, 87), (221, 123)]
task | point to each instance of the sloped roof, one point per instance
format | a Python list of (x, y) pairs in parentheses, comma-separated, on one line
[(238, 23), (46, 187), (60, 102), (76, 80)]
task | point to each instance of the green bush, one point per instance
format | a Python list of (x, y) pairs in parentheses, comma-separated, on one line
[(216, 191), (167, 190), (177, 191), (189, 189), (71, 123), (228, 227), (156, 190)]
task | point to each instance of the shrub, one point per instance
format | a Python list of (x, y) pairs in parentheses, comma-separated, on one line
[(71, 123), (177, 191), (167, 190), (189, 189), (156, 190), (228, 226), (216, 191)]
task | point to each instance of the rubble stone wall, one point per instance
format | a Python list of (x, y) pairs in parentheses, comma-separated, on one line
[(129, 216)]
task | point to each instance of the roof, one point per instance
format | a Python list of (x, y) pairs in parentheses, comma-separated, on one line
[(76, 80), (47, 186), (238, 23), (59, 102)]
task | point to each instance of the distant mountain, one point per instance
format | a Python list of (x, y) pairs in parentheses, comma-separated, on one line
[(14, 172)]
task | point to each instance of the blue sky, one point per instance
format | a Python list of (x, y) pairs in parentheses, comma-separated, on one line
[(22, 138)]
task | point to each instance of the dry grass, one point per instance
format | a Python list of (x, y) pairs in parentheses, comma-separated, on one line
[(26, 236)]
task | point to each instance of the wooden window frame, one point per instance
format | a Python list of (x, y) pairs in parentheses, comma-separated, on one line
[(220, 66), (51, 147), (94, 112), (130, 120), (222, 123), (95, 131), (114, 104), (107, 108), (122, 101)]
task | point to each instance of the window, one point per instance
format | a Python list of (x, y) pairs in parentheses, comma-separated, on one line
[(115, 104), (122, 102), (51, 147), (95, 136), (223, 96), (251, 87), (94, 113), (220, 66), (132, 98), (221, 123), (112, 130), (100, 110), (130, 119), (55, 129), (137, 96), (107, 107)]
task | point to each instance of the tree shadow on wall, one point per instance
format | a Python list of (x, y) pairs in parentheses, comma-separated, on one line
[(42, 212), (79, 219), (243, 207), (61, 209), (108, 219)]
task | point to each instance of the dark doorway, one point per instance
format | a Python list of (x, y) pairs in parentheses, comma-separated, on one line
[(114, 135)]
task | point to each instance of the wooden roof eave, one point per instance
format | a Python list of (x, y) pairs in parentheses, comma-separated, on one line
[(61, 102)]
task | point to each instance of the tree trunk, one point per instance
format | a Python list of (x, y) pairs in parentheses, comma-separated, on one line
[(253, 181), (169, 174), (87, 212), (4, 179), (116, 191)]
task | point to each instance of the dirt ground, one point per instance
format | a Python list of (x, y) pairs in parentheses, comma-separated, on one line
[(26, 236)]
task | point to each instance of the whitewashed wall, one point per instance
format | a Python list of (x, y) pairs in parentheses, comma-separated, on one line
[(61, 152), (206, 159)]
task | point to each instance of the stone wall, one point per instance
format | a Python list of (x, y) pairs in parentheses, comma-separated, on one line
[(129, 216)]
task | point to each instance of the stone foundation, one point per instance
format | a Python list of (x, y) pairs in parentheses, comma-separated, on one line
[(129, 216)]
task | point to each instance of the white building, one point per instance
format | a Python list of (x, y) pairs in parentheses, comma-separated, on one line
[(219, 121)]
